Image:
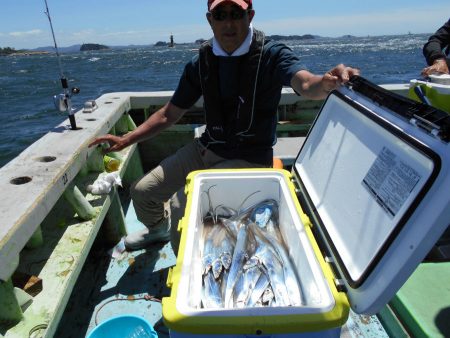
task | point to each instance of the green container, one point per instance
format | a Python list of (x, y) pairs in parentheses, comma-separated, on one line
[(438, 94)]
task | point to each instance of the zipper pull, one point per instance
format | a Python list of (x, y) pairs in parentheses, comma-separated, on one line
[(241, 101)]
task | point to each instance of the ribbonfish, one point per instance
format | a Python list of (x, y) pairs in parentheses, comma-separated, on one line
[(261, 285), (268, 297), (273, 238), (226, 250), (237, 262), (237, 292), (232, 279), (265, 213), (212, 297), (275, 271), (290, 278), (250, 275), (208, 251)]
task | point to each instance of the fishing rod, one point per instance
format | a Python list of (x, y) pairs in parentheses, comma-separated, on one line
[(63, 101)]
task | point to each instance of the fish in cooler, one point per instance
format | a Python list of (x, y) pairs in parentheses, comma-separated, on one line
[(245, 257)]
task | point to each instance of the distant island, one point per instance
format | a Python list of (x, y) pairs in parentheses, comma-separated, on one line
[(92, 46), (293, 37), (271, 37), (12, 52), (7, 51)]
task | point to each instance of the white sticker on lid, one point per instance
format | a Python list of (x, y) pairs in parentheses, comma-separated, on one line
[(391, 181)]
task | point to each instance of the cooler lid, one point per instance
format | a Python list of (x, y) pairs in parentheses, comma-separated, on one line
[(369, 173)]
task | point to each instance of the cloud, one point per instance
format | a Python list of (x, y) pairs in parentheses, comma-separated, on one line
[(126, 33), (83, 33), (33, 32)]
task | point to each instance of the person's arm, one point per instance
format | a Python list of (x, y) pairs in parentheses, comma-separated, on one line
[(432, 50), (318, 86), (157, 122), (186, 94)]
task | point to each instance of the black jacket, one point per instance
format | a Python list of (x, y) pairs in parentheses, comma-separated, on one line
[(235, 126), (439, 41)]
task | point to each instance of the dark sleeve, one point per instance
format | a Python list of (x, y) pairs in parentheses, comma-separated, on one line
[(286, 62), (432, 50), (189, 88)]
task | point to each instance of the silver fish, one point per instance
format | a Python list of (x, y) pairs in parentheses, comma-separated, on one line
[(231, 225), (274, 267), (207, 256), (212, 297), (274, 238), (226, 254), (267, 278), (223, 283), (250, 275), (239, 255), (226, 241), (223, 249), (217, 268), (265, 212), (267, 296), (238, 288), (290, 277), (261, 285)]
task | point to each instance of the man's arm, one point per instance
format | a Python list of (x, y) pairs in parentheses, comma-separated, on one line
[(157, 122), (432, 51), (317, 87)]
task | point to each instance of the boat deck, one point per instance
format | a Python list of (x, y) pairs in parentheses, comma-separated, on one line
[(108, 286)]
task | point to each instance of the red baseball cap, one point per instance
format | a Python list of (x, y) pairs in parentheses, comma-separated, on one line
[(244, 4)]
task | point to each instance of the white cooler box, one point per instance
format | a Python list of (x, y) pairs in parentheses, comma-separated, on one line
[(367, 198)]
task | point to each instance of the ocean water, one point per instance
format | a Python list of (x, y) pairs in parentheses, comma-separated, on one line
[(28, 83)]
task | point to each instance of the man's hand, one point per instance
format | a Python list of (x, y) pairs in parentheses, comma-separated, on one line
[(439, 66), (317, 87), (337, 76), (116, 143), (160, 120)]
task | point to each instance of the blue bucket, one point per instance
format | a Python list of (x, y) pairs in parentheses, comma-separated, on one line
[(126, 326)]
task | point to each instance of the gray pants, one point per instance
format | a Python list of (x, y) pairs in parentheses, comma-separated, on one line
[(166, 182)]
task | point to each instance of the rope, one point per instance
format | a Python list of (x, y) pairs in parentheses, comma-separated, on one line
[(37, 328)]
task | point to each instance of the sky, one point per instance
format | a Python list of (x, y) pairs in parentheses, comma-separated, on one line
[(24, 25)]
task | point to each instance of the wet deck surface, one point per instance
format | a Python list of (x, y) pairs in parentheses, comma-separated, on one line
[(110, 287)]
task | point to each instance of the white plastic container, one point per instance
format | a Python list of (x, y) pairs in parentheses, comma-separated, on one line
[(366, 200)]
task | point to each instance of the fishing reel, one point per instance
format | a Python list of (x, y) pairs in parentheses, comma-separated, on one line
[(63, 102)]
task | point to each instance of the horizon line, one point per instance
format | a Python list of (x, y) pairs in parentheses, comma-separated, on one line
[(193, 42)]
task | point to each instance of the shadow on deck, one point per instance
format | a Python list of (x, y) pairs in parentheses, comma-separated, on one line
[(109, 287)]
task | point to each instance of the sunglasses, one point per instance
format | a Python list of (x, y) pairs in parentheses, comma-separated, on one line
[(221, 15)]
